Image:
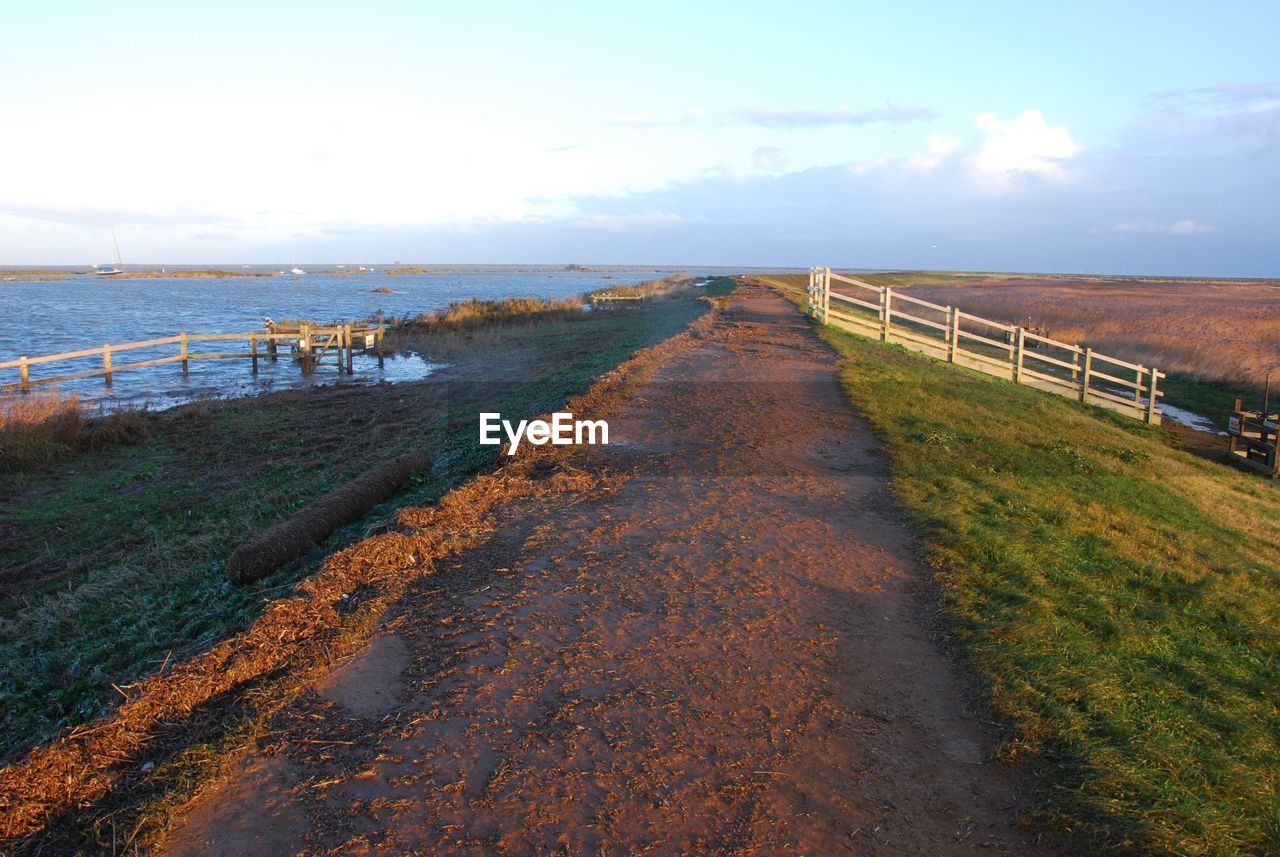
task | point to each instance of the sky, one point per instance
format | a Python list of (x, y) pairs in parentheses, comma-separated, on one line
[(1135, 137)]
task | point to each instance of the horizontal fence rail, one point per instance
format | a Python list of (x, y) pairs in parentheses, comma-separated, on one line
[(308, 345), (1254, 438), (1004, 350)]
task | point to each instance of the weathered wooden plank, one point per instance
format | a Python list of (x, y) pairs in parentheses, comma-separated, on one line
[(874, 307), (915, 318), (939, 307), (1065, 346), (985, 340), (855, 282), (1032, 354)]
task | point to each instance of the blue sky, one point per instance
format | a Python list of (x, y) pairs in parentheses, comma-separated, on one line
[(1127, 138)]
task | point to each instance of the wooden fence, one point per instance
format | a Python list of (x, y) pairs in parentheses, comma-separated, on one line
[(1004, 350), (310, 346), (1254, 438)]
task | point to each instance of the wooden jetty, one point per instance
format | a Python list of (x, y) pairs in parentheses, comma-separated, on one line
[(310, 345)]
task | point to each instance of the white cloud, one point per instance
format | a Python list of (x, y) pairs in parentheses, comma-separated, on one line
[(689, 117), (646, 221), (1023, 145), (769, 158), (782, 119), (940, 148), (839, 116), (1186, 226), (1189, 227)]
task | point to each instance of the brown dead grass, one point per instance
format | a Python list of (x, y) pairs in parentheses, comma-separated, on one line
[(474, 313), (39, 428), (1217, 330), (299, 633)]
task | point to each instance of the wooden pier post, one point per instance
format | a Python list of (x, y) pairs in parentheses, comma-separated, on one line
[(182, 343), (304, 348), (106, 363), (24, 370), (253, 348), (273, 348)]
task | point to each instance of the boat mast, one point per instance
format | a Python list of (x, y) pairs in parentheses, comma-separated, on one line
[(115, 249)]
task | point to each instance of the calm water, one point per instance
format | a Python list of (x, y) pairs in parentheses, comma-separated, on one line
[(84, 312)]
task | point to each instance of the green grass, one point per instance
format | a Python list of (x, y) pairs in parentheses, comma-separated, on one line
[(1117, 600), (903, 279), (113, 559), (1212, 399)]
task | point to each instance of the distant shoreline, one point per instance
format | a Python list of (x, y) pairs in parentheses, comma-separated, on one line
[(37, 274)]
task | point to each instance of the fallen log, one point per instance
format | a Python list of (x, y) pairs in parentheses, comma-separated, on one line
[(308, 527)]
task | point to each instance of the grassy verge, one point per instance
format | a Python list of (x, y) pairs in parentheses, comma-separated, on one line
[(1212, 398), (903, 279), (112, 560), (1117, 599)]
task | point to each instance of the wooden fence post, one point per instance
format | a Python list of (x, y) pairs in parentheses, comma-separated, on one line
[(886, 312), (1084, 379), (377, 343), (808, 310), (1017, 356), (346, 334), (253, 348), (953, 333), (304, 350), (1151, 396), (826, 294), (25, 372), (273, 348), (182, 343), (1233, 441), (106, 363), (1137, 386)]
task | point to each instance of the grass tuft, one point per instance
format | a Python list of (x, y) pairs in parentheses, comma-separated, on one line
[(41, 428)]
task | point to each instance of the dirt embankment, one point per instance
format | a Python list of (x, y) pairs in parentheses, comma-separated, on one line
[(721, 648)]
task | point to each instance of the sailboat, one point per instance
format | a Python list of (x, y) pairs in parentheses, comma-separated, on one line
[(116, 266)]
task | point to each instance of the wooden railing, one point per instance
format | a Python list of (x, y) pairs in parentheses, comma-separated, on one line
[(1004, 350), (310, 346), (1254, 438)]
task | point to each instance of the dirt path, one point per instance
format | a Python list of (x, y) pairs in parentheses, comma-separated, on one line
[(727, 653)]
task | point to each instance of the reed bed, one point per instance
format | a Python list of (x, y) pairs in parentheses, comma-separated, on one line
[(41, 428), (1213, 330)]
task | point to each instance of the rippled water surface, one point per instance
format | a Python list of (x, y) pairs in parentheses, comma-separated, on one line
[(84, 312)]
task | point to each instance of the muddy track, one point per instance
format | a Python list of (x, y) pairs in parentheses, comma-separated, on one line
[(728, 652)]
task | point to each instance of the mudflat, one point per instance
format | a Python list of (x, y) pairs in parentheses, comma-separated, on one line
[(727, 651)]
